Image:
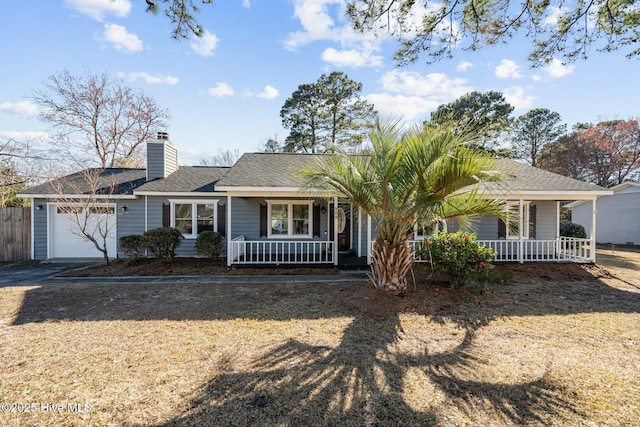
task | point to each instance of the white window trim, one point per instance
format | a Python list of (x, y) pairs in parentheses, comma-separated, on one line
[(436, 230), (194, 219), (290, 204), (525, 219)]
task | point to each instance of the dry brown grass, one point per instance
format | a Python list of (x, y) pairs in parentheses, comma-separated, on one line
[(561, 348)]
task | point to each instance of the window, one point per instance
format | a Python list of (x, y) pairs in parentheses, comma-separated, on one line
[(194, 217), (91, 210), (512, 218), (429, 229), (71, 210), (102, 210), (289, 219)]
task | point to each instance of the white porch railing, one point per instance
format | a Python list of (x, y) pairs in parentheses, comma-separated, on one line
[(281, 251), (237, 250), (563, 249)]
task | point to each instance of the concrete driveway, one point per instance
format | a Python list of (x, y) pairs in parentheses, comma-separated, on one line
[(36, 272)]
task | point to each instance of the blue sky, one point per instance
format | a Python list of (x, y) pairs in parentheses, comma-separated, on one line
[(225, 90)]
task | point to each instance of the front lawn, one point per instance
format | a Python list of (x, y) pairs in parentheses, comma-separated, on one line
[(559, 348)]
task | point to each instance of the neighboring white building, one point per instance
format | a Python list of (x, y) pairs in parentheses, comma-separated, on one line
[(618, 219)]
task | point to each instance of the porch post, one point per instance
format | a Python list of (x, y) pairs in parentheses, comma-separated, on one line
[(335, 230), (593, 230), (359, 231), (558, 243), (351, 239), (368, 239), (229, 239), (520, 227), (557, 219)]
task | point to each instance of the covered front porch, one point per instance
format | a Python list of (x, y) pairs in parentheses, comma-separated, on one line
[(347, 232), (562, 249), (289, 230), (536, 236)]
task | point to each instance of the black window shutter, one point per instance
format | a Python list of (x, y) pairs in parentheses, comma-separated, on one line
[(222, 223), (263, 220), (502, 229), (166, 215), (316, 221), (532, 222)]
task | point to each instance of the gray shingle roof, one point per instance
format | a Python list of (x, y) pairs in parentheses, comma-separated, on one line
[(118, 181), (519, 177), (280, 170), (187, 179), (267, 170)]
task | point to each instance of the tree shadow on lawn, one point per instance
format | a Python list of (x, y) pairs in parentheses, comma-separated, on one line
[(355, 384), (362, 381)]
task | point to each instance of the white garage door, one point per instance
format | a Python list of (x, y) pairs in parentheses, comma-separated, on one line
[(68, 242)]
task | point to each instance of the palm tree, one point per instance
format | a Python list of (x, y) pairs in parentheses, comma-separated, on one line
[(425, 174)]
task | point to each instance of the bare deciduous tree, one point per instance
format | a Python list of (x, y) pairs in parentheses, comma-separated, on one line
[(87, 198), (221, 158), (21, 164), (96, 120)]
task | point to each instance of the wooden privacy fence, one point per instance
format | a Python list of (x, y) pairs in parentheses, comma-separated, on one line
[(15, 234)]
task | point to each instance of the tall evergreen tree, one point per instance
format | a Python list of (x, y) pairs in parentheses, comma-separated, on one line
[(327, 114), (532, 131), (485, 114)]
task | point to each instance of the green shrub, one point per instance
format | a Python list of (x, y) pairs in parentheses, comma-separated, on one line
[(162, 242), (571, 229), (209, 244), (459, 256), (132, 246)]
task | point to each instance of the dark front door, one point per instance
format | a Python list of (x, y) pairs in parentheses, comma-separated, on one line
[(344, 227)]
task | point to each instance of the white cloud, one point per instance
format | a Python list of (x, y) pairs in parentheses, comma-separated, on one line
[(220, 90), (269, 92), (557, 69), (516, 96), (464, 66), (121, 39), (408, 95), (148, 78), (20, 108), (204, 45), (435, 85), (316, 21), (556, 13), (25, 136), (402, 107), (98, 9), (351, 58), (508, 70), (246, 4), (323, 20)]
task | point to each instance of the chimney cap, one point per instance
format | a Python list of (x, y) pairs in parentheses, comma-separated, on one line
[(163, 136)]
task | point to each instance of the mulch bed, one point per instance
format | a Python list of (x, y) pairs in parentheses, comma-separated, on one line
[(185, 266)]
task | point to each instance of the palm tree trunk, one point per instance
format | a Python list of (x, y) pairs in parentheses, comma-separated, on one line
[(390, 265)]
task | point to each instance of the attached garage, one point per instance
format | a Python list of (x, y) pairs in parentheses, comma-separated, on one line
[(65, 238)]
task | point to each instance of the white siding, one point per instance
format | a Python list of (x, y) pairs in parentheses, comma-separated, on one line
[(617, 219)]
